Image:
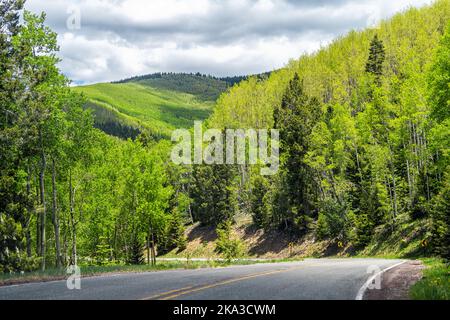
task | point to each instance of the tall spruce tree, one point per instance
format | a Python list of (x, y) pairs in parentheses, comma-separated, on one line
[(296, 119), (377, 56), (214, 193)]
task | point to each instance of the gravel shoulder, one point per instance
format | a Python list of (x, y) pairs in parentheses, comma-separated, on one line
[(396, 283)]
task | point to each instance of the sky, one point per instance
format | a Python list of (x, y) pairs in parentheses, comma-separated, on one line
[(107, 40)]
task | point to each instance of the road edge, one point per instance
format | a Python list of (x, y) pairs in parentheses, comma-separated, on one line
[(363, 289)]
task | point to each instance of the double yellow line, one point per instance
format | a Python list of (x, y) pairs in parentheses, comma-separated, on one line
[(187, 290)]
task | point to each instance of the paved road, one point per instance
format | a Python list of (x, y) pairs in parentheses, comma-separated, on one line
[(309, 279)]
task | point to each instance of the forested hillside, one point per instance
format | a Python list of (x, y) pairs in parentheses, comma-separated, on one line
[(127, 109), (365, 136), (364, 127), (204, 87), (70, 194), (156, 103)]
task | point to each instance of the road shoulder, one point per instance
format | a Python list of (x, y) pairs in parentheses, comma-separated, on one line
[(396, 282)]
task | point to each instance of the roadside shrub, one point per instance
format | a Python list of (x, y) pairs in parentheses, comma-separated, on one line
[(103, 252), (230, 248), (20, 262)]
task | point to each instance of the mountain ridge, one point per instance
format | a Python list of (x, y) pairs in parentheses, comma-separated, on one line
[(156, 103)]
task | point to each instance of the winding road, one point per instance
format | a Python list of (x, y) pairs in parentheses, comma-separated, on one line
[(311, 279)]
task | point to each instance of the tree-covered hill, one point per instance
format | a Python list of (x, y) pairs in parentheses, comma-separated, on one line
[(126, 109), (364, 128), (157, 103), (204, 87)]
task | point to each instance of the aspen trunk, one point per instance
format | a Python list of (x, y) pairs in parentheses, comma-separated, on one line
[(38, 223), (43, 204), (72, 222), (43, 208), (29, 209), (394, 186), (153, 249), (55, 218), (151, 238), (148, 249)]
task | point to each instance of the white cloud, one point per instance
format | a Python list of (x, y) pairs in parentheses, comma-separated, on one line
[(122, 38)]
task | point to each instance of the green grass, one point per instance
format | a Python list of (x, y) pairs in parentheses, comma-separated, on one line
[(158, 110), (435, 284), (405, 241)]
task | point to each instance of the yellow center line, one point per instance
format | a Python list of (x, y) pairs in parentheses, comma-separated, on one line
[(180, 292), (166, 293)]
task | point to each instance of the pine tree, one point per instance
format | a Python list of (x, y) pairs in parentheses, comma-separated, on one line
[(296, 119), (260, 205), (376, 59), (214, 193)]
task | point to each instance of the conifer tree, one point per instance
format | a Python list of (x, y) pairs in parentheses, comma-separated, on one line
[(260, 206), (214, 193), (376, 59), (296, 119)]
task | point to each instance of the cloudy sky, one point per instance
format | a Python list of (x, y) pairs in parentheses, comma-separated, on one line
[(105, 40)]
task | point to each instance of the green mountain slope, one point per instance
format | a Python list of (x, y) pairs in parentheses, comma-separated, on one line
[(124, 109), (204, 87), (374, 161), (335, 74), (156, 103)]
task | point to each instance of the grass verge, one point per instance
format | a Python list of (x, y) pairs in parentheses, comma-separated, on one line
[(435, 284)]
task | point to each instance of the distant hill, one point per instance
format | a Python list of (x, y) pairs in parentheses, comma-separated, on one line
[(157, 103), (126, 109), (204, 87)]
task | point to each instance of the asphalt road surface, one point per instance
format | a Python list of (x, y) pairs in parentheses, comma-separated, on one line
[(305, 280)]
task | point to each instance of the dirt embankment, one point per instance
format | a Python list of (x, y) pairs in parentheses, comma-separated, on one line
[(407, 240), (395, 283), (261, 244)]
